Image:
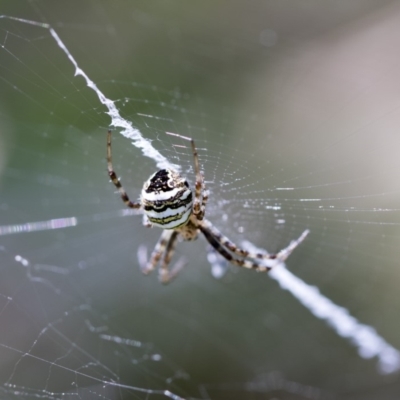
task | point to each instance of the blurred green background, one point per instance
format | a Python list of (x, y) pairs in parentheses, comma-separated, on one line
[(277, 94)]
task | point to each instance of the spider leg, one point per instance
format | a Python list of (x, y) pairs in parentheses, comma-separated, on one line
[(199, 185), (217, 245), (146, 222), (149, 265), (199, 177), (204, 199), (165, 275), (114, 178), (287, 251), (206, 226)]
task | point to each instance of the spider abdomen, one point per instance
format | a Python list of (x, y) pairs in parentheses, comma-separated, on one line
[(167, 199), (167, 202)]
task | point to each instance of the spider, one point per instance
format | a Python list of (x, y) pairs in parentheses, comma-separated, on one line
[(168, 202)]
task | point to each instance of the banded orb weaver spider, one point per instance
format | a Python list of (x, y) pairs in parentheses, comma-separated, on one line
[(167, 202)]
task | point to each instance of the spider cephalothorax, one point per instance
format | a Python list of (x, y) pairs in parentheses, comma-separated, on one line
[(168, 202)]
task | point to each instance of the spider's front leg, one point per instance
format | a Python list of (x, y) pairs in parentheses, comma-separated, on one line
[(166, 246), (210, 230), (166, 275), (149, 265), (146, 222), (227, 249), (218, 246)]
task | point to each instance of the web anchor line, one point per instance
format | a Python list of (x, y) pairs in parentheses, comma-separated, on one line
[(117, 120), (364, 337)]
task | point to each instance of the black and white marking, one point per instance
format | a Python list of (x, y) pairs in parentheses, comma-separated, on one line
[(167, 199)]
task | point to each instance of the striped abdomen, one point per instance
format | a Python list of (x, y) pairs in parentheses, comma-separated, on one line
[(167, 199)]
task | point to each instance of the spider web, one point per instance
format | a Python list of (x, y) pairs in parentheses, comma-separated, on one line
[(295, 113)]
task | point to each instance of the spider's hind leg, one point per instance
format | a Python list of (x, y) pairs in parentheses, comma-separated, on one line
[(200, 197), (114, 178)]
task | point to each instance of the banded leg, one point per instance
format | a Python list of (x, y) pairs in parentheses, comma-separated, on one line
[(228, 256), (149, 265), (166, 275), (204, 199), (282, 255), (114, 178), (199, 185)]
